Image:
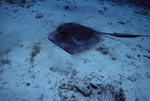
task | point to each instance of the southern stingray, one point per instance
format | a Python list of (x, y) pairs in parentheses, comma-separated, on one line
[(73, 37)]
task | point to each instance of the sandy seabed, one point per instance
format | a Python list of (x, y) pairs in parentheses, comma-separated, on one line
[(32, 68)]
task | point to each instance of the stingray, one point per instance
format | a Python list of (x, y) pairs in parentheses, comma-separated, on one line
[(74, 38)]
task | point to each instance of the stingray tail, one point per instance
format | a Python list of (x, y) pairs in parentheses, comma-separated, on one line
[(121, 35)]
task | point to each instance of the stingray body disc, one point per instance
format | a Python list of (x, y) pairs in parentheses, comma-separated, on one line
[(73, 37)]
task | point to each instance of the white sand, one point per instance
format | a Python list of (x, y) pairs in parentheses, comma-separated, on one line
[(20, 31)]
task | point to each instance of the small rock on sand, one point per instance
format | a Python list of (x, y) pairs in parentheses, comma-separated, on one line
[(39, 15)]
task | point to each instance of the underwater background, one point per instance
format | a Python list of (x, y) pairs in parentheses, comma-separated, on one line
[(32, 68)]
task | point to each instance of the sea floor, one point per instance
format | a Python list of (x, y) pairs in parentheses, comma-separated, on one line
[(32, 68)]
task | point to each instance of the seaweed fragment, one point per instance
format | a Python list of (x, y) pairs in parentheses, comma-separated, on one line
[(36, 50)]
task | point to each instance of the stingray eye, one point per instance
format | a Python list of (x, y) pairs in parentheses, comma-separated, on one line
[(60, 36), (60, 29)]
